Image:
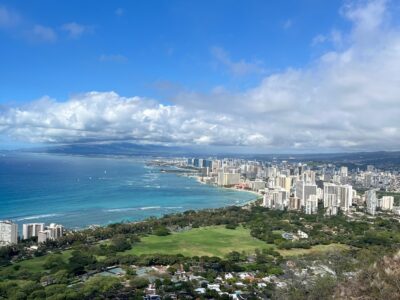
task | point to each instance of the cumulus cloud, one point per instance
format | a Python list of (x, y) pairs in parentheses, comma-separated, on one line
[(237, 68), (347, 99), (99, 116)]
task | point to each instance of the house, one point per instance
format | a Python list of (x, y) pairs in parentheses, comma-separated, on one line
[(152, 297), (214, 287), (302, 234), (200, 290), (151, 289)]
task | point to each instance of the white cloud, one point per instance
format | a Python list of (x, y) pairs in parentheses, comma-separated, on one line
[(237, 68), (8, 18), (318, 39), (75, 30), (347, 99), (109, 117), (40, 33), (14, 24)]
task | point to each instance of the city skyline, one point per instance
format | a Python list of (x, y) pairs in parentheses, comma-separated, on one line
[(278, 84)]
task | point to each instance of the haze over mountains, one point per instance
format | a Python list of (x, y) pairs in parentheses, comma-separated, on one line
[(384, 159)]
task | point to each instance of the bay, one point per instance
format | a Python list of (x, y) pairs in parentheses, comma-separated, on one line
[(78, 191)]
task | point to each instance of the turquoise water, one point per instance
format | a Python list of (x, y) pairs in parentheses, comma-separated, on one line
[(79, 191)]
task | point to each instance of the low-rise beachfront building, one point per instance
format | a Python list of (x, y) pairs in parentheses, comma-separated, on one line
[(52, 232)]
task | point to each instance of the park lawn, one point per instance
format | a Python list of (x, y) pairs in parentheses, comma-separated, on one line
[(203, 241), (35, 264), (215, 241)]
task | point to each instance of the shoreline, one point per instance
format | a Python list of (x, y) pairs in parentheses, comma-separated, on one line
[(57, 217), (198, 179)]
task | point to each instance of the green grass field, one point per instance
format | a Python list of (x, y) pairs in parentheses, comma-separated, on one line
[(36, 264), (211, 241), (214, 241)]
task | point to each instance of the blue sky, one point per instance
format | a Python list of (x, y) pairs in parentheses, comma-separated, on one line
[(270, 75), (134, 47)]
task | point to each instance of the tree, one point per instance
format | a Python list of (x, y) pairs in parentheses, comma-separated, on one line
[(139, 282), (120, 243), (161, 231), (54, 262), (233, 256), (103, 286), (79, 261)]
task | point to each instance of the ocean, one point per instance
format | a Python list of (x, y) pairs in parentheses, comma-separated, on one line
[(78, 191)]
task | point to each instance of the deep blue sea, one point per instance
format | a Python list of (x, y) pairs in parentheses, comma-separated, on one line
[(79, 191)]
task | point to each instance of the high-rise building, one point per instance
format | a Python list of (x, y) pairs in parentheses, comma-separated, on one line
[(275, 199), (372, 201), (368, 179), (299, 191), (294, 203), (267, 200), (271, 172), (31, 229), (257, 185), (330, 198), (311, 205), (196, 162), (344, 171), (338, 196), (309, 190), (308, 177), (8, 233), (57, 230), (387, 202), (226, 179), (207, 163), (345, 195), (303, 191), (284, 182)]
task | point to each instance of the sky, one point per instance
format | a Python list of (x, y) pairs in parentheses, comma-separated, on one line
[(263, 76)]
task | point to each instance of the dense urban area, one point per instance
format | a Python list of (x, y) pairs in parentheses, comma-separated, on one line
[(316, 230)]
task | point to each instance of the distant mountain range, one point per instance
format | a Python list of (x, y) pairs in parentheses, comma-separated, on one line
[(382, 159), (113, 149)]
